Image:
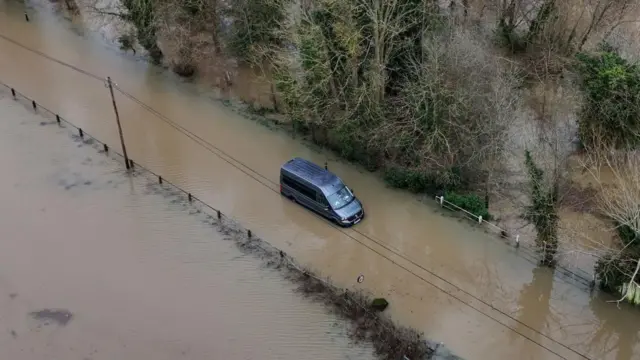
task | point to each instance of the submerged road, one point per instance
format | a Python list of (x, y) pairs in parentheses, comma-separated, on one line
[(410, 254)]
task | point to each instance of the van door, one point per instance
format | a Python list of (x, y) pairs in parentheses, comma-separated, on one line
[(306, 195), (323, 204)]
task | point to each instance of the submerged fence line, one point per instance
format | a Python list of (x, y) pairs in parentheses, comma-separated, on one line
[(192, 200), (530, 253), (514, 239), (389, 326), (85, 136), (527, 252)]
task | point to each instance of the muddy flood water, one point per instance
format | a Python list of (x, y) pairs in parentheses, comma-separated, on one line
[(94, 266), (459, 285)]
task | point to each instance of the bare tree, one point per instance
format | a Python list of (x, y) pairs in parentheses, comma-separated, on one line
[(543, 142), (454, 110), (70, 5), (139, 13), (190, 31), (388, 19), (527, 24), (617, 173), (440, 106)]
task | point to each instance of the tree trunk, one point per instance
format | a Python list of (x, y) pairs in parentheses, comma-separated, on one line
[(377, 72), (214, 28), (537, 25), (274, 98)]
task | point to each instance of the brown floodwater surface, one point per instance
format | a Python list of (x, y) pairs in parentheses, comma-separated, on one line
[(466, 257), (95, 266)]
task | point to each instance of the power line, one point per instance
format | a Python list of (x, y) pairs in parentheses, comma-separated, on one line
[(379, 243), (72, 67), (221, 154), (194, 137), (199, 140), (190, 196)]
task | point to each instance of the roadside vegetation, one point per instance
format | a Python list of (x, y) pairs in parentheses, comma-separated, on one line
[(484, 101)]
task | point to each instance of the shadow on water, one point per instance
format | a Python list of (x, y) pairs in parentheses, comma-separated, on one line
[(616, 334), (534, 302)]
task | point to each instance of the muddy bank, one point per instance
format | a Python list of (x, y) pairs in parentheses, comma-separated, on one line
[(389, 340)]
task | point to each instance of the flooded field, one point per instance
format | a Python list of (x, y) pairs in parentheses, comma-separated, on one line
[(95, 266), (442, 276)]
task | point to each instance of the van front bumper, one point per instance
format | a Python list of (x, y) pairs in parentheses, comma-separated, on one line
[(351, 222)]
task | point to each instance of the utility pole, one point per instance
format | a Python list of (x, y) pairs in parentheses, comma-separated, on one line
[(115, 109)]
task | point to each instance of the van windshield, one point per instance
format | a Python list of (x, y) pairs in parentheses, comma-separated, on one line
[(340, 198)]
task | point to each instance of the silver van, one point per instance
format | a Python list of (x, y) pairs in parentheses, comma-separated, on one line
[(321, 191)]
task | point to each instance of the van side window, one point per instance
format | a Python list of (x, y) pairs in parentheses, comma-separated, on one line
[(310, 193), (301, 188), (290, 183), (321, 199)]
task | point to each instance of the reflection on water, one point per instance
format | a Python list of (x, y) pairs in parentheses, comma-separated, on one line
[(130, 276), (617, 339), (467, 258), (534, 303)]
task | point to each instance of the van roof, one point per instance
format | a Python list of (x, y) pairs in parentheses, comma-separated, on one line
[(327, 181)]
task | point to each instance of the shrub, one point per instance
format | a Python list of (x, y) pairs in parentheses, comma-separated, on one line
[(628, 237), (543, 210), (614, 269), (127, 42), (141, 13), (412, 180), (421, 181), (612, 105), (470, 202), (509, 38), (256, 28), (183, 68)]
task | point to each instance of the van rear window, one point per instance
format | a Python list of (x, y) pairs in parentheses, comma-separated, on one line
[(290, 183)]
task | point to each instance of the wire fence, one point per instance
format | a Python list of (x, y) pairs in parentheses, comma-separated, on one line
[(228, 222), (525, 249), (106, 149), (218, 217)]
